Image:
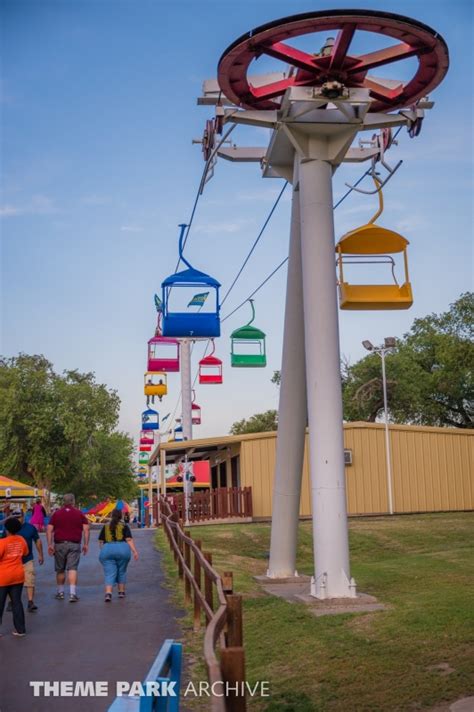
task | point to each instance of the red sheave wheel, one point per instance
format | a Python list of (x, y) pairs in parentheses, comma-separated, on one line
[(334, 63)]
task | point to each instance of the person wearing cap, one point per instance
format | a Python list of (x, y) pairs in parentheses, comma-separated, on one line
[(30, 535), (12, 574)]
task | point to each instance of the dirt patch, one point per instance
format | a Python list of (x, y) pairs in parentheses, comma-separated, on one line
[(362, 623), (442, 668)]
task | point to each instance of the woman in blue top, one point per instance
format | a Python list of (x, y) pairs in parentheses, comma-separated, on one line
[(117, 547)]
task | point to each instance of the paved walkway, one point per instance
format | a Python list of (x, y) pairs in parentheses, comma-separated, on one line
[(88, 640)]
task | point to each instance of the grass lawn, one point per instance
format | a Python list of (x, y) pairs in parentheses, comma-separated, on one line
[(418, 654)]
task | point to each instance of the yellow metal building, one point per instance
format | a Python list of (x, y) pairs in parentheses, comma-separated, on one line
[(432, 468)]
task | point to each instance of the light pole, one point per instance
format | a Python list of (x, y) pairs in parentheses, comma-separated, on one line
[(388, 344)]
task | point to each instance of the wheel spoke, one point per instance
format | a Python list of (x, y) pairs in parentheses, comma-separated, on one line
[(384, 56), (290, 55), (341, 46), (381, 92), (268, 91)]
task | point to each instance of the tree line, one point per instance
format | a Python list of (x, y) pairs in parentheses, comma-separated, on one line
[(58, 431), (430, 376)]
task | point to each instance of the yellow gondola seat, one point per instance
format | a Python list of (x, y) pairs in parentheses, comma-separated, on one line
[(155, 384), (376, 244)]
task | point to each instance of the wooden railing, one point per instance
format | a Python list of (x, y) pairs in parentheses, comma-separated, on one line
[(221, 503), (211, 595)]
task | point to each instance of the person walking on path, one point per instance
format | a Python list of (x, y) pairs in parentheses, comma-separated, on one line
[(38, 515), (12, 574), (117, 546), (30, 535), (69, 526)]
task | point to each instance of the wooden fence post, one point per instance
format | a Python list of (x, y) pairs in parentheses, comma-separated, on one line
[(234, 621), (197, 578), (180, 547), (228, 582), (173, 520), (233, 673), (208, 583), (187, 561)]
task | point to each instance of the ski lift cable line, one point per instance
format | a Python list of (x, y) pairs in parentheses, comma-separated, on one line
[(198, 194), (286, 258), (267, 220), (267, 279), (255, 243)]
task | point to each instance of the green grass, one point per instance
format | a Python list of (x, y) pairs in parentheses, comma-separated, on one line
[(420, 566)]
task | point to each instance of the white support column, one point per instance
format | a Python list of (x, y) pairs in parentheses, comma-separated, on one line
[(323, 380), (163, 471), (292, 416), (186, 390), (150, 498)]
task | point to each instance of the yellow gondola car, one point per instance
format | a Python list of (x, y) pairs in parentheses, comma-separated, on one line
[(155, 384), (372, 244)]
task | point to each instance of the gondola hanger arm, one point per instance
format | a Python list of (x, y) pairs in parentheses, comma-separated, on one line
[(183, 227), (378, 189), (253, 312), (391, 173)]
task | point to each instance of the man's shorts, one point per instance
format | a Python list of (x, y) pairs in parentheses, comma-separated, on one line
[(30, 575), (66, 556)]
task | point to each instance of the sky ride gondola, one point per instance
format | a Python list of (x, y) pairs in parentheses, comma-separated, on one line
[(163, 354), (143, 458), (150, 420), (195, 412), (186, 289), (146, 437), (210, 368), (372, 244), (178, 431), (248, 349), (155, 385)]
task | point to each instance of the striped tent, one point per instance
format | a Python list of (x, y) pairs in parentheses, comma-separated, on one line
[(102, 511), (12, 489)]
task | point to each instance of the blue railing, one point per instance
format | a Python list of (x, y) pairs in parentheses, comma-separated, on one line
[(165, 677)]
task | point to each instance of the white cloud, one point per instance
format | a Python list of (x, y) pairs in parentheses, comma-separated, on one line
[(8, 211), (42, 205), (96, 199), (37, 205), (411, 224), (131, 228), (226, 227)]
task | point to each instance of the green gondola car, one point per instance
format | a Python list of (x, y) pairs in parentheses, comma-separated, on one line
[(248, 346)]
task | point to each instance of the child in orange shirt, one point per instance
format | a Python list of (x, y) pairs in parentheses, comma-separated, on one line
[(12, 575)]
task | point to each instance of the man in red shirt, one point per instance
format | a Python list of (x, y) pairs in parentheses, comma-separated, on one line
[(68, 525)]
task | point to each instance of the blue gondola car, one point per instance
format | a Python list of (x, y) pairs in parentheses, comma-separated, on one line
[(150, 420), (190, 288)]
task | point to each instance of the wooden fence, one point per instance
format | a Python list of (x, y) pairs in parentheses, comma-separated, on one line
[(212, 597), (221, 503)]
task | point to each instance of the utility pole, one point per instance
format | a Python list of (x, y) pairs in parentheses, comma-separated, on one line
[(388, 345)]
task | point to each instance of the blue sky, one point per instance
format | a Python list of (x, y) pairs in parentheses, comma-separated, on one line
[(98, 102)]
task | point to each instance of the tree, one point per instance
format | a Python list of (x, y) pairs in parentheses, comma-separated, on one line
[(429, 374), (259, 423), (106, 471), (56, 431)]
